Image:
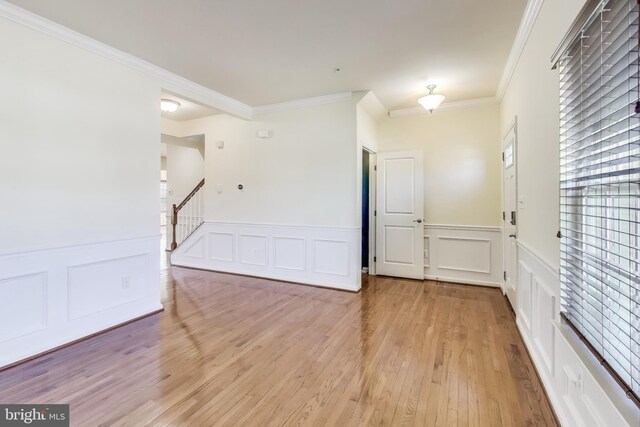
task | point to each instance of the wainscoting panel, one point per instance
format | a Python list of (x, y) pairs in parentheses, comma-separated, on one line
[(51, 297), (581, 392), (463, 254), (221, 247), (195, 248), (331, 257), (311, 255), (253, 250), (23, 305), (289, 253), (99, 286), (523, 293)]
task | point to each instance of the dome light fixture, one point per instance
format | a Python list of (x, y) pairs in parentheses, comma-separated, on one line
[(431, 101), (169, 105)]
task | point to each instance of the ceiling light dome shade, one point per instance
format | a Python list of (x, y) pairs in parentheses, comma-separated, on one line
[(169, 105), (432, 101)]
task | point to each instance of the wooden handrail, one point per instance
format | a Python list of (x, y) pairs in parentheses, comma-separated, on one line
[(176, 209), (193, 192)]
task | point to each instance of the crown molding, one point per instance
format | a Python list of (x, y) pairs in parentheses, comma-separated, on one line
[(526, 25), (447, 106), (304, 103), (170, 81)]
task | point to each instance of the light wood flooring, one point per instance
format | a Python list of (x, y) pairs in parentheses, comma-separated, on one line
[(240, 351)]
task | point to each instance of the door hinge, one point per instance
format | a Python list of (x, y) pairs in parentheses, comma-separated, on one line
[(505, 276), (375, 167), (374, 259), (375, 212), (504, 216), (503, 157)]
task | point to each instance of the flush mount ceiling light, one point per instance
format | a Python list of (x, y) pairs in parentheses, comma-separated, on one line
[(432, 101), (169, 105)]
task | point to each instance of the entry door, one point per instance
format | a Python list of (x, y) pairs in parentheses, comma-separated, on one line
[(400, 207), (510, 217)]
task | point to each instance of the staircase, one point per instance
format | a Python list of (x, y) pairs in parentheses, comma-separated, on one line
[(187, 216)]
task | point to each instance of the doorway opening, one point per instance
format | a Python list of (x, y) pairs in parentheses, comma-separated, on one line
[(365, 210), (182, 159), (163, 206), (510, 213)]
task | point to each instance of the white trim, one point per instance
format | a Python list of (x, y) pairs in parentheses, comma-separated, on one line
[(464, 227), (303, 103), (467, 239), (64, 294), (463, 281), (513, 127), (170, 81), (77, 245), (447, 106), (337, 267), (555, 271), (526, 25), (580, 390), (294, 226), (477, 261)]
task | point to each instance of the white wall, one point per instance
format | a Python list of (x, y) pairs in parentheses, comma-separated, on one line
[(301, 175), (79, 162), (80, 145), (185, 169), (462, 190), (533, 96), (462, 162), (298, 185), (580, 391)]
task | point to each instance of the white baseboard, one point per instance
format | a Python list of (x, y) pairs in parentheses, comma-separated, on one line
[(320, 256), (463, 254), (52, 297), (462, 281), (581, 392)]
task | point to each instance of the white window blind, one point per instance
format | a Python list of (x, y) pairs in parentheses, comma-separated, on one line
[(600, 188)]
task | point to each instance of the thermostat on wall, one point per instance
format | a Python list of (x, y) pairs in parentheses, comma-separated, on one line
[(264, 133)]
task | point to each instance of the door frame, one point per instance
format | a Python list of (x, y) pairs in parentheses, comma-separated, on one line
[(372, 209), (512, 127)]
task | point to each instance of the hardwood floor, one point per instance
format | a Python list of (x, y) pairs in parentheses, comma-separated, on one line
[(240, 351)]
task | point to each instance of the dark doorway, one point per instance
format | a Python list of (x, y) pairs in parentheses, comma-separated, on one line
[(365, 209)]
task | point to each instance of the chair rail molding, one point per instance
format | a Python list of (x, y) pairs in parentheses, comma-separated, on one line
[(52, 297)]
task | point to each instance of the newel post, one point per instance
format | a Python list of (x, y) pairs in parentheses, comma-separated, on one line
[(174, 222)]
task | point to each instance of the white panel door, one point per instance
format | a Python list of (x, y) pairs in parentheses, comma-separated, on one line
[(400, 207), (509, 233)]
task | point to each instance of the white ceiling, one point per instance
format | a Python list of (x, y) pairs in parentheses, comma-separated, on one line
[(188, 109), (262, 52)]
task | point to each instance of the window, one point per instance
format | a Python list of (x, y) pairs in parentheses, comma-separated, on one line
[(163, 196), (600, 187), (508, 155)]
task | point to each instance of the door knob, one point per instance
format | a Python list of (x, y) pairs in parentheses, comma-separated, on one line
[(512, 235), (417, 220)]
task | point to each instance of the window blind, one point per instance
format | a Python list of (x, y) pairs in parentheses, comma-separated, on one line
[(600, 188)]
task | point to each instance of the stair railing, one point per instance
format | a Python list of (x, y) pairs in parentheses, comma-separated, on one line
[(187, 216)]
